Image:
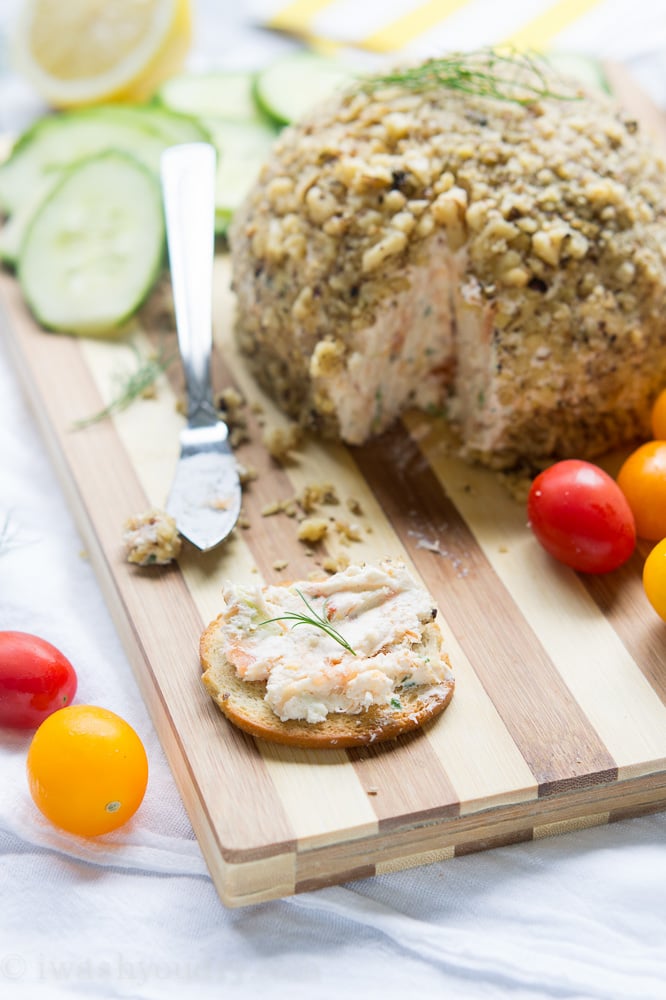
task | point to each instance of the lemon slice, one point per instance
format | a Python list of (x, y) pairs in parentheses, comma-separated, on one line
[(79, 52)]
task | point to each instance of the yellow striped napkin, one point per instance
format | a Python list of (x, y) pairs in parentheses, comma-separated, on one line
[(615, 29)]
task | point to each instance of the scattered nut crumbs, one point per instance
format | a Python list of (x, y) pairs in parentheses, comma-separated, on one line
[(518, 483), (354, 506), (349, 532), (274, 507), (280, 564), (312, 529), (246, 474), (280, 442), (229, 399), (238, 435), (315, 494), (287, 507), (335, 564)]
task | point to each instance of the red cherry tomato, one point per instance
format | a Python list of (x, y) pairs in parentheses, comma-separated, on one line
[(35, 680), (581, 517)]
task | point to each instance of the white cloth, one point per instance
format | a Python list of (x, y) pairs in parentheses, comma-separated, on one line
[(612, 29), (135, 914)]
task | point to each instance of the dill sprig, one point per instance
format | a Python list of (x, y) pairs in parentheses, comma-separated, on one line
[(131, 385), (510, 75), (8, 535), (313, 619)]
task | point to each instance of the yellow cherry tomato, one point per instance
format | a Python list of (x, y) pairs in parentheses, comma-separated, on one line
[(654, 578), (658, 417), (642, 479), (87, 770)]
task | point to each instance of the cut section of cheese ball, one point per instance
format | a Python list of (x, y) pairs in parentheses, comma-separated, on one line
[(353, 659)]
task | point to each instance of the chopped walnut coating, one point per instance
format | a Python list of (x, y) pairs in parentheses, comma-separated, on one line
[(536, 233)]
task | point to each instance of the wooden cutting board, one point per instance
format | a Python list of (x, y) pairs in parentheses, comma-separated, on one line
[(559, 716)]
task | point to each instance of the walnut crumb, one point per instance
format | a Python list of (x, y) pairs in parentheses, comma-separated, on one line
[(354, 506), (274, 507), (312, 530), (287, 507), (280, 442), (314, 494), (335, 564), (238, 435), (229, 399), (246, 474), (280, 564), (349, 532)]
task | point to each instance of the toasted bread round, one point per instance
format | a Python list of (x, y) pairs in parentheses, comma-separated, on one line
[(243, 702)]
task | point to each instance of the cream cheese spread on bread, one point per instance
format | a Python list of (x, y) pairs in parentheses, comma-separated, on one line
[(379, 645)]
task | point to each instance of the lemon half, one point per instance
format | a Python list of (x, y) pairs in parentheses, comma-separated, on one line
[(81, 52)]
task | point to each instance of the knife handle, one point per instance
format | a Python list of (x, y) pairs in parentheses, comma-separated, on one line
[(188, 187)]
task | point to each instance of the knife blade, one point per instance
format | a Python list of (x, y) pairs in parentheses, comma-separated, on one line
[(205, 495)]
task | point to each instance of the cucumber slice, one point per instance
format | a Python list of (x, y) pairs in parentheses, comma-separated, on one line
[(216, 94), (57, 141), (95, 246), (174, 127), (14, 229), (289, 87), (242, 148), (585, 69)]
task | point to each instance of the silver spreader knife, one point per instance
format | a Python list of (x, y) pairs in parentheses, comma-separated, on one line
[(205, 495)]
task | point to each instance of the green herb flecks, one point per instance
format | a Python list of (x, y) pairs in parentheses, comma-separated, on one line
[(506, 75), (396, 703), (314, 619), (131, 385)]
